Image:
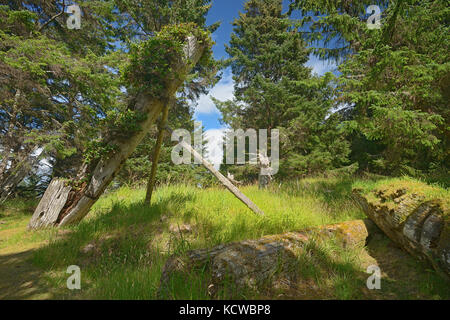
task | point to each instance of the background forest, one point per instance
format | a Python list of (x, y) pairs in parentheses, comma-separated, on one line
[(384, 111)]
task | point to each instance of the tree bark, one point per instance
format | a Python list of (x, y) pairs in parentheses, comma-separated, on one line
[(420, 227), (85, 191), (264, 164), (156, 153), (251, 263), (263, 181), (8, 141)]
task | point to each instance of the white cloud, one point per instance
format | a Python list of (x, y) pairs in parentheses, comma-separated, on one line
[(320, 67), (215, 146), (223, 91)]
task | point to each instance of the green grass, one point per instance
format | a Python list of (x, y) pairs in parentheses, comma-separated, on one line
[(137, 242), (131, 241), (14, 218)]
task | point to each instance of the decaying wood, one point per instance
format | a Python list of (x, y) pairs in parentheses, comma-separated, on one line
[(227, 183), (81, 198), (51, 204), (231, 178), (418, 226), (253, 262), (264, 164)]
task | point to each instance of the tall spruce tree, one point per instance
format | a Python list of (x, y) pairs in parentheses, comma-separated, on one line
[(275, 90)]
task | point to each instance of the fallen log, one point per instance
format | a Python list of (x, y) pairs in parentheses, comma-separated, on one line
[(252, 263), (74, 197), (419, 225)]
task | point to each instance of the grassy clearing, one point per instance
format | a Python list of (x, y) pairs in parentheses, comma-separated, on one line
[(14, 217), (122, 246)]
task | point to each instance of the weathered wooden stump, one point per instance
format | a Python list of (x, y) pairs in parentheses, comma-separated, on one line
[(251, 263), (419, 226)]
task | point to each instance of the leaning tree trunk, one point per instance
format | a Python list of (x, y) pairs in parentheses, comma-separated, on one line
[(67, 202), (156, 154), (252, 263), (13, 180)]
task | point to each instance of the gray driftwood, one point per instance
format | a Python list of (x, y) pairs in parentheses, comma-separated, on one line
[(226, 182)]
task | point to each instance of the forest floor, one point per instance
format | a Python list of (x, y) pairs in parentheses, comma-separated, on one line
[(19, 278), (122, 246)]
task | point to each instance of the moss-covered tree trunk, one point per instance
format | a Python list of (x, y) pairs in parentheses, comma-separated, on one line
[(419, 226), (68, 201)]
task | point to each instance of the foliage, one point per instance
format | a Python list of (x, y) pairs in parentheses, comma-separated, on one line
[(175, 18), (63, 90), (150, 61), (53, 92), (275, 90), (394, 80)]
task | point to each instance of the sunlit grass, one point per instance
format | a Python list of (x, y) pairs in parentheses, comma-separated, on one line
[(134, 240), (130, 241)]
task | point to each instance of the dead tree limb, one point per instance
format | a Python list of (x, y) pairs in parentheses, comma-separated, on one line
[(227, 183)]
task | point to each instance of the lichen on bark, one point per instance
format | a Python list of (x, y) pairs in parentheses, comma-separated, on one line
[(414, 215)]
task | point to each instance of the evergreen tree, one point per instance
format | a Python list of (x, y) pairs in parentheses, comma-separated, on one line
[(62, 89), (395, 79), (54, 91), (144, 19), (275, 90)]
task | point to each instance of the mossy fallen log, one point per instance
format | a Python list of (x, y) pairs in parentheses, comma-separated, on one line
[(252, 263), (414, 216)]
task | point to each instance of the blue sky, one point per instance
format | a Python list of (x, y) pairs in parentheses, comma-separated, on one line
[(227, 11)]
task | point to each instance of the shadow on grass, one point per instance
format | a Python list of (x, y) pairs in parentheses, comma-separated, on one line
[(114, 249), (19, 279), (328, 190), (329, 271), (311, 271), (405, 277)]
